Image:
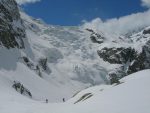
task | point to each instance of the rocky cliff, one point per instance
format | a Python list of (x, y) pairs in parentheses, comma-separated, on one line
[(11, 26), (132, 53)]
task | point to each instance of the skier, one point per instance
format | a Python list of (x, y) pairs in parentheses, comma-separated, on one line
[(63, 99), (46, 100)]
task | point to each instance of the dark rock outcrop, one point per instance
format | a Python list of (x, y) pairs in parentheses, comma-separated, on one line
[(146, 31), (117, 55), (128, 58), (95, 37), (142, 61), (11, 26), (21, 89)]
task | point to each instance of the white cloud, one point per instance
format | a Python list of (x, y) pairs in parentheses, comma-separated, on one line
[(21, 2), (146, 3), (121, 25)]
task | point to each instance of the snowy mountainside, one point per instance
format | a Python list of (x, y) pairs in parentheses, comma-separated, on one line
[(63, 57), (130, 51), (39, 88), (68, 59), (132, 96), (43, 61), (12, 34), (72, 53), (71, 56), (11, 26)]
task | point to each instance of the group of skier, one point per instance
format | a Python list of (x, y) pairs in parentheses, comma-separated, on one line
[(47, 100)]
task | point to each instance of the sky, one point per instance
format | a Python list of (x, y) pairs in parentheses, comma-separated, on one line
[(74, 12)]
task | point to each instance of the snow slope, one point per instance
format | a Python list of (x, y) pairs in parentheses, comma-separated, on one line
[(72, 64), (71, 57), (132, 96), (72, 61)]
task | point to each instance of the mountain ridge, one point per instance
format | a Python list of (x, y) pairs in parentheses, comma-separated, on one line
[(66, 57)]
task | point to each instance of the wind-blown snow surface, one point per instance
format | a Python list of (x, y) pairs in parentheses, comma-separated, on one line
[(132, 96)]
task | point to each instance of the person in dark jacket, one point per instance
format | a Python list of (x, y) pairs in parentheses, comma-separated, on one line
[(63, 99), (46, 100)]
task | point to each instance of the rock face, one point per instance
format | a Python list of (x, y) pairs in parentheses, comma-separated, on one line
[(57, 50), (146, 31), (122, 56), (117, 55), (11, 26), (95, 37), (21, 89), (142, 61), (128, 57)]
